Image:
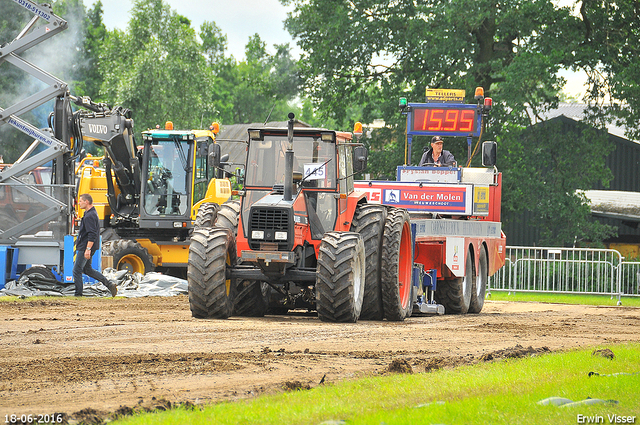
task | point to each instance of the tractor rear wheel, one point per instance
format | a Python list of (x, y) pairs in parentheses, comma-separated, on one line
[(397, 265), (252, 299), (340, 277), (455, 294), (207, 214), (129, 255), (369, 222), (480, 284), (210, 293)]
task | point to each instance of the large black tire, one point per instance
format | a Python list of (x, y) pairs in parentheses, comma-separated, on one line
[(340, 277), (252, 299), (39, 273), (397, 265), (207, 214), (210, 293), (480, 283), (129, 255), (228, 215), (455, 294), (369, 221)]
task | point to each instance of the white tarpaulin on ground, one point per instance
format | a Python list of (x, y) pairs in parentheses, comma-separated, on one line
[(129, 285)]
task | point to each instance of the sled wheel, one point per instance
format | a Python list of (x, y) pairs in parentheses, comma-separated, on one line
[(129, 255), (397, 265), (207, 214), (340, 277), (369, 222), (211, 294), (455, 294), (480, 283)]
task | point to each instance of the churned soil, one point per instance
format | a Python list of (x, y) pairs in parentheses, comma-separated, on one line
[(95, 359)]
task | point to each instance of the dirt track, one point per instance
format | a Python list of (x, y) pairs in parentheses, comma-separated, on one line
[(104, 356)]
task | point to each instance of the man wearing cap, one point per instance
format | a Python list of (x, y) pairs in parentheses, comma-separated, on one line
[(436, 156)]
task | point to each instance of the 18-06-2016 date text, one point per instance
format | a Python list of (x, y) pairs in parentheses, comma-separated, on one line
[(54, 418)]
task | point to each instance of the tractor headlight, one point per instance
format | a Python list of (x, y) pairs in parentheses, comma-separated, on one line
[(257, 234), (281, 236)]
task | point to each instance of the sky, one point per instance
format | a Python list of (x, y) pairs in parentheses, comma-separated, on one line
[(239, 20)]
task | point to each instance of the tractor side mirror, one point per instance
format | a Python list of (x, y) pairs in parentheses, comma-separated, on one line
[(360, 155), (214, 155), (489, 153)]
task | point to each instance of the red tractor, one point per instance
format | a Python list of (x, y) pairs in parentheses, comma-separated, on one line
[(301, 237)]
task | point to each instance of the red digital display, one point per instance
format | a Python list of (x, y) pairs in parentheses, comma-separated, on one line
[(445, 120)]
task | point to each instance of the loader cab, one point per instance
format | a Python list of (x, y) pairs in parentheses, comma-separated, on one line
[(167, 174)]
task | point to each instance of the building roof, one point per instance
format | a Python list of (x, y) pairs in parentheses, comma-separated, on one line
[(576, 111), (614, 204)]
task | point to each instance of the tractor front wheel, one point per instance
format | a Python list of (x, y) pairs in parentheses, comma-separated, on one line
[(211, 295), (228, 215), (207, 214), (340, 277)]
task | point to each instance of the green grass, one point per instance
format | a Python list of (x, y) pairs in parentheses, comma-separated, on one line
[(564, 299), (503, 392)]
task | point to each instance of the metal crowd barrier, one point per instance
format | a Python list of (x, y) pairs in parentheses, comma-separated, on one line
[(567, 270)]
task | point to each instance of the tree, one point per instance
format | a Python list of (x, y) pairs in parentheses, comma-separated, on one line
[(88, 79), (158, 69), (608, 52), (265, 83)]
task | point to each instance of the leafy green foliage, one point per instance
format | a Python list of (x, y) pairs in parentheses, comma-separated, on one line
[(158, 69), (544, 177), (608, 52)]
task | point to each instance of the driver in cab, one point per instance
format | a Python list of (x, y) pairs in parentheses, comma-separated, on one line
[(437, 156)]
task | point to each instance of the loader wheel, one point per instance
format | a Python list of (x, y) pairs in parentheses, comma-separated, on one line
[(252, 299), (207, 214), (397, 265), (340, 277), (369, 222), (39, 273), (480, 284), (129, 255), (228, 215), (210, 293), (455, 294)]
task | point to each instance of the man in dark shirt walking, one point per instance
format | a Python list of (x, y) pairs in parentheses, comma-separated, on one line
[(87, 245)]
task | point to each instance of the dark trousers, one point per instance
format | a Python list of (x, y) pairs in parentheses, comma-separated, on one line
[(82, 265)]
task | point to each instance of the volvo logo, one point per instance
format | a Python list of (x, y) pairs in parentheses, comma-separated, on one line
[(96, 128)]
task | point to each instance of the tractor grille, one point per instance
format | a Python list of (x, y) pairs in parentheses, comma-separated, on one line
[(270, 221)]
